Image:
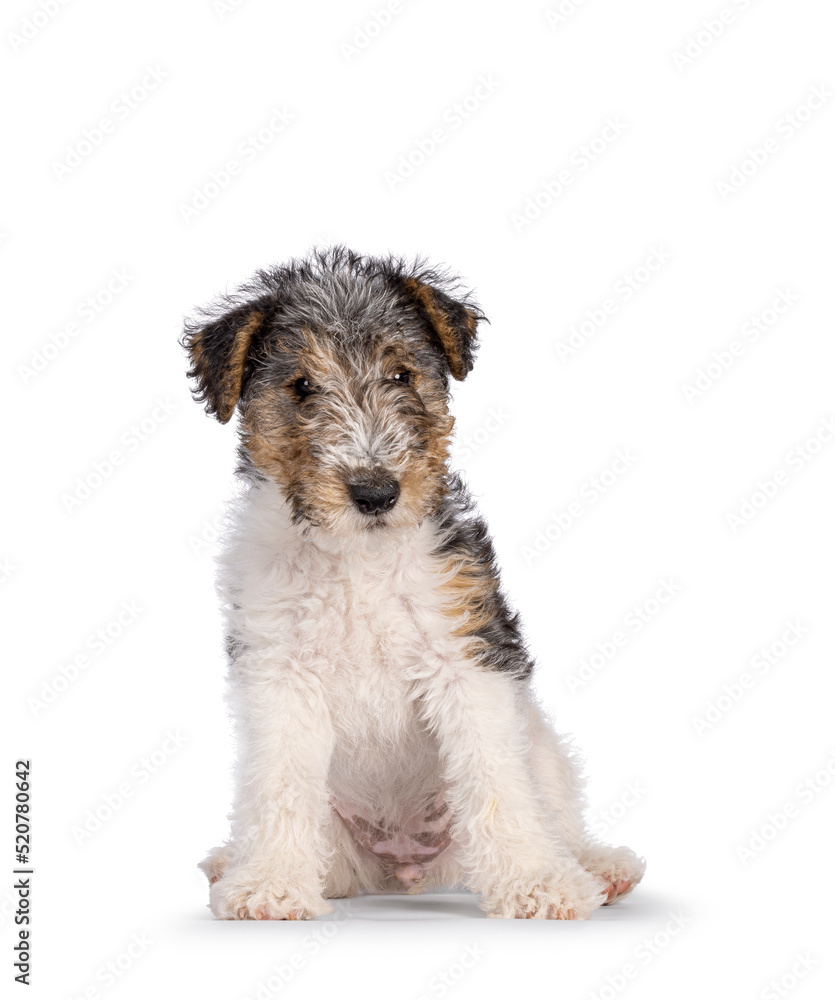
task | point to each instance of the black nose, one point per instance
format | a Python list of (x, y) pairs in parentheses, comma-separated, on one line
[(371, 498)]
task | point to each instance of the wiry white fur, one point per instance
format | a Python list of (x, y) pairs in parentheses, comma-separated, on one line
[(351, 687)]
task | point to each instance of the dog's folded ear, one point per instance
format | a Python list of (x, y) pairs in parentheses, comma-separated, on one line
[(453, 324), (220, 350)]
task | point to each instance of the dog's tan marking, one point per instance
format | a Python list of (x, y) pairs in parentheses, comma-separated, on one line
[(427, 297), (469, 590), (232, 377)]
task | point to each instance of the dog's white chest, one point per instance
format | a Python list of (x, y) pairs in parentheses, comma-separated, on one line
[(360, 622), (368, 657), (384, 776)]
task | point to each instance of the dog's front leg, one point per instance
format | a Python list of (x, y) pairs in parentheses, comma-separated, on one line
[(278, 853), (507, 852)]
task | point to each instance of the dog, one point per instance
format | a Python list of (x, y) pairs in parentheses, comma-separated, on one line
[(388, 736)]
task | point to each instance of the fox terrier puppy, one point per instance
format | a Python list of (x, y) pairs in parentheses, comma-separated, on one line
[(388, 736)]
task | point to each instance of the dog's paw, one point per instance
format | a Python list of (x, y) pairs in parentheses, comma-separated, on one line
[(570, 895), (216, 862), (619, 867), (239, 894)]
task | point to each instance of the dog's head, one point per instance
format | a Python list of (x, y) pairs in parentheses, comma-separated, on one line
[(339, 366)]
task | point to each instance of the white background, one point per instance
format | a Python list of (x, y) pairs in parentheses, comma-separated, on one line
[(686, 796)]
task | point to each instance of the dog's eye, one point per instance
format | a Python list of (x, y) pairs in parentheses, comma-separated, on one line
[(402, 377), (302, 388)]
